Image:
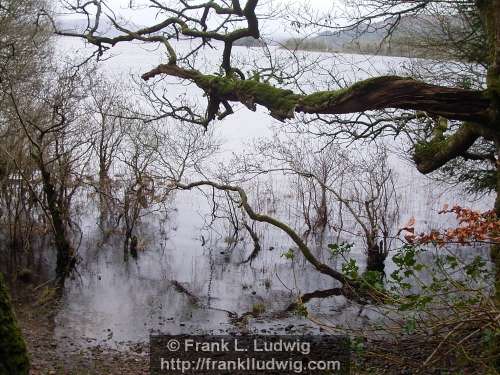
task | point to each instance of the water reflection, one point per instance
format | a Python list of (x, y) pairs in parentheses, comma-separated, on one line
[(187, 279)]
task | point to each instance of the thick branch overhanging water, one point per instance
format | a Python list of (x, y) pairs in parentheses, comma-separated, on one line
[(370, 94)]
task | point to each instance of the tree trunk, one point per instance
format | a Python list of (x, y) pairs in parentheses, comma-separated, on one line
[(125, 247), (321, 213), (65, 259), (13, 353), (495, 249), (104, 195), (133, 246), (375, 255), (490, 14)]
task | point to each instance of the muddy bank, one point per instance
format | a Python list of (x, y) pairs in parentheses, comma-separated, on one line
[(60, 355), (36, 312)]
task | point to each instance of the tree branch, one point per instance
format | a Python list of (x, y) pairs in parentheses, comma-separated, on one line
[(304, 249), (432, 155), (370, 94)]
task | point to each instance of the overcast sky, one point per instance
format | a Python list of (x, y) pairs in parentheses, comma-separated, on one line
[(279, 27)]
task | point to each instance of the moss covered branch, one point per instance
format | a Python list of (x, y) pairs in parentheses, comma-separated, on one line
[(354, 289), (371, 94), (303, 248), (433, 154)]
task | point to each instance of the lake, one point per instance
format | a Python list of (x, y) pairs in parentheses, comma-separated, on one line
[(188, 278)]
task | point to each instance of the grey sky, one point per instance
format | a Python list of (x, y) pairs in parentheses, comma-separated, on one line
[(146, 15)]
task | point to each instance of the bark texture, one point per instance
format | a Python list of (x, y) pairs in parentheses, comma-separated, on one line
[(370, 94), (13, 353)]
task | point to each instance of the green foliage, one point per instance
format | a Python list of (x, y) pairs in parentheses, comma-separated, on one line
[(350, 268), (341, 249), (443, 285), (479, 180), (415, 302), (476, 268), (373, 279), (410, 326), (301, 310), (357, 345), (406, 260), (475, 177), (290, 254), (369, 279)]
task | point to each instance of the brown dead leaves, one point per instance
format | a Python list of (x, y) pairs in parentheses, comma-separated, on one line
[(473, 227)]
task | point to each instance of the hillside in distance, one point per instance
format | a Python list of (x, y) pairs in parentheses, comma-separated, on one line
[(405, 36)]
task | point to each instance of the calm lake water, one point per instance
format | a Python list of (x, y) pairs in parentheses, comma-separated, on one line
[(111, 302)]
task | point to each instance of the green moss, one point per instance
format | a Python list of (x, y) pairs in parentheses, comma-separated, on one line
[(301, 310), (441, 127), (13, 350), (426, 150), (322, 98), (280, 102), (205, 81)]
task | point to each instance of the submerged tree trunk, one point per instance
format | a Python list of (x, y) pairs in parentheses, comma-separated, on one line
[(133, 246), (376, 255), (321, 213), (65, 259), (376, 260), (13, 353), (125, 248), (104, 196)]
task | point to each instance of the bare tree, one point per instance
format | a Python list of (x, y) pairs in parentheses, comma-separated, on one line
[(23, 47), (107, 116), (154, 156), (49, 121), (358, 188)]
